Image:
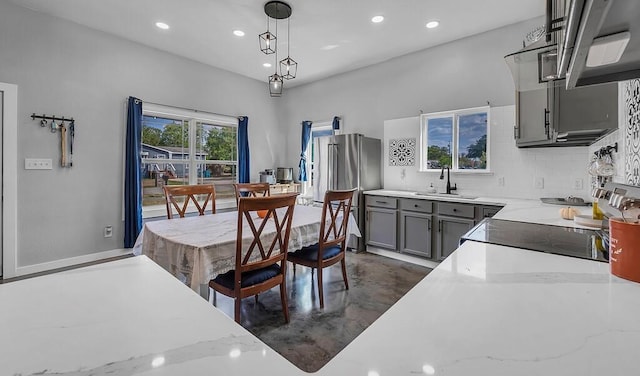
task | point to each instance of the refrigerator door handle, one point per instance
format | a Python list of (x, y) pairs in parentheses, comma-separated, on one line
[(335, 166), (330, 165)]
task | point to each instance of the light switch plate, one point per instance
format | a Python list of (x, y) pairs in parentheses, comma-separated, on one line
[(38, 164)]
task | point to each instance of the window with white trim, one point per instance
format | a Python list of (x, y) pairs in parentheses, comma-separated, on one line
[(183, 147), (456, 139), (317, 130)]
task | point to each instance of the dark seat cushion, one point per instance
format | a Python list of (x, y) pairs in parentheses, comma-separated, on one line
[(311, 253), (248, 278)]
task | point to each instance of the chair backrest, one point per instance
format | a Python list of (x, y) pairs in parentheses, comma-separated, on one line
[(271, 249), (335, 218), (179, 196), (251, 190)]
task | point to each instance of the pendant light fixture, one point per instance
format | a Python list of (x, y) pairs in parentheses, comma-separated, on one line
[(288, 66), (277, 10)]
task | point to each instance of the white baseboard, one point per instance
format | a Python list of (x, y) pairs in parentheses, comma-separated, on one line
[(402, 257), (46, 266)]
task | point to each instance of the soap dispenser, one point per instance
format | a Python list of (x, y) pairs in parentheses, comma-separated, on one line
[(431, 189)]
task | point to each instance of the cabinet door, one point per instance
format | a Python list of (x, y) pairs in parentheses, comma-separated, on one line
[(449, 232), (415, 233), (533, 116), (381, 229), (586, 108)]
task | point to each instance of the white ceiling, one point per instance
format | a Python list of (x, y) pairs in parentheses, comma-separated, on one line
[(327, 36)]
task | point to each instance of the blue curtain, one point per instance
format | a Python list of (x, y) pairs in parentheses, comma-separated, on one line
[(132, 181), (336, 123), (306, 134), (243, 150)]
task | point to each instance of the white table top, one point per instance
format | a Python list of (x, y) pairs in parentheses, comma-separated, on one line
[(196, 249), (486, 310)]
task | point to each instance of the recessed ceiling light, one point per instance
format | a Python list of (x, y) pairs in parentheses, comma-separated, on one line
[(432, 24), (238, 33), (267, 65), (330, 47), (162, 25), (377, 19)]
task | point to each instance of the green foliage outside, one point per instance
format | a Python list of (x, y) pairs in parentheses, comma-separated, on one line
[(438, 156), (218, 142)]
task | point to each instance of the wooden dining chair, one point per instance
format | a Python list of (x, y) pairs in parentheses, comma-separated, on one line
[(179, 196), (331, 245), (256, 265), (251, 190)]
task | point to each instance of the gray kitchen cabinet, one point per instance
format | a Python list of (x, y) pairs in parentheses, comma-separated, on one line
[(416, 227), (449, 231), (454, 220), (532, 117), (552, 116), (381, 228), (487, 212)]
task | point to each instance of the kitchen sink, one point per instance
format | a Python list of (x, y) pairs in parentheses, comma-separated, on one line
[(447, 195)]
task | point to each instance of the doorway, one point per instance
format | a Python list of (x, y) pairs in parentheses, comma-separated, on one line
[(8, 179)]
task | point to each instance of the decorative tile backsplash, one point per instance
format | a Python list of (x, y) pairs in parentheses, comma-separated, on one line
[(402, 152), (632, 131)]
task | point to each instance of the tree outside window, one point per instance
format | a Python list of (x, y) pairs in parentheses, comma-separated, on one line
[(462, 133)]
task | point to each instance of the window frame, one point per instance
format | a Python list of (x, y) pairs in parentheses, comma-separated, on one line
[(193, 118), (455, 115)]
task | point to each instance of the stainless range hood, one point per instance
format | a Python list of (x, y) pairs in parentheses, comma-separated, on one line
[(600, 42)]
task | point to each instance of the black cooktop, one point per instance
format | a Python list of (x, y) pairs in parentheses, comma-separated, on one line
[(567, 241)]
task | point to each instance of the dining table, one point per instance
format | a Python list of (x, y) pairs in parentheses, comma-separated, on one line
[(196, 249)]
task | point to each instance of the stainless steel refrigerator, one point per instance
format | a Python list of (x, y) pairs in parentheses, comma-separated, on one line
[(345, 162)]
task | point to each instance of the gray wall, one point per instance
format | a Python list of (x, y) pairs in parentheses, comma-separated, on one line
[(66, 69), (461, 74)]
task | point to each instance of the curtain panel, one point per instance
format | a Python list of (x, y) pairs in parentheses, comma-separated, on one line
[(243, 150), (306, 134), (132, 181)]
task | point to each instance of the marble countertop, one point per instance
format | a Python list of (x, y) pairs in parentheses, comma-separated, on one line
[(521, 210), (486, 310)]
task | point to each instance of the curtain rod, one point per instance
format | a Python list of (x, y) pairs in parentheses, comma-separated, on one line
[(325, 121), (194, 110)]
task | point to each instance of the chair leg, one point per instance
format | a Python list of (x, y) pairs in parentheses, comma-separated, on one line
[(256, 296), (294, 269), (283, 300), (344, 274), (237, 309), (214, 297), (320, 292)]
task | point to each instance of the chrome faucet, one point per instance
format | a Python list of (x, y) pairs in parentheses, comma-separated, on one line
[(449, 188)]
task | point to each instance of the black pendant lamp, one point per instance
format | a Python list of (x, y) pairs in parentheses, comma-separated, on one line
[(288, 66), (277, 10)]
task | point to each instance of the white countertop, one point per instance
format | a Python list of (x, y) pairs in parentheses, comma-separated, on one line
[(486, 310), (521, 210)]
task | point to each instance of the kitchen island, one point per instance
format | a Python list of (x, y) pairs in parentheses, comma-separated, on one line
[(486, 310)]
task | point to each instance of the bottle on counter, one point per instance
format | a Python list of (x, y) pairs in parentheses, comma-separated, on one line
[(597, 213)]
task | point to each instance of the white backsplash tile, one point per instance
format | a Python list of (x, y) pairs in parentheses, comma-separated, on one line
[(559, 167)]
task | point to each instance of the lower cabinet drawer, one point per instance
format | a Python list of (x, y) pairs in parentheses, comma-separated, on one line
[(456, 210), (423, 206), (382, 202)]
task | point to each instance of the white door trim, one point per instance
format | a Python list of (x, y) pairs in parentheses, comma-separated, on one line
[(9, 180)]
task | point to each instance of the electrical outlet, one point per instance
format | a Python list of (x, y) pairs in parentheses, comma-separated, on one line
[(38, 164), (108, 231), (539, 184), (501, 181), (578, 184)]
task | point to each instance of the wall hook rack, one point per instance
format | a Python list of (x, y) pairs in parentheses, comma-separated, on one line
[(65, 145), (54, 118), (606, 150)]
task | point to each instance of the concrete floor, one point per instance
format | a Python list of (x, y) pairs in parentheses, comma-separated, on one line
[(315, 335)]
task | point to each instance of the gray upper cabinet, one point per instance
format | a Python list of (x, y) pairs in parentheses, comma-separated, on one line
[(381, 222), (532, 117), (554, 116)]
